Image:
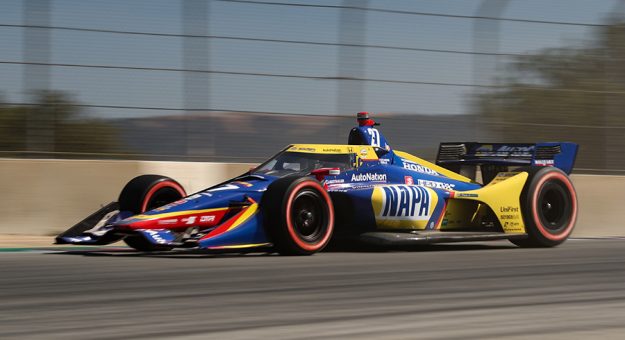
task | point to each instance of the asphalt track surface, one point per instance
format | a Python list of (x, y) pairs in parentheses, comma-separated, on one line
[(474, 291)]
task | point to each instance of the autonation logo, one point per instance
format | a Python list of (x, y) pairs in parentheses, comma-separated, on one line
[(369, 177)]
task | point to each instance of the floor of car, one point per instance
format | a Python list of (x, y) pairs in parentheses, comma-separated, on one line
[(432, 236)]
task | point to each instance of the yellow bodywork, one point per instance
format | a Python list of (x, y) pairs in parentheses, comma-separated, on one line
[(502, 195), (362, 151)]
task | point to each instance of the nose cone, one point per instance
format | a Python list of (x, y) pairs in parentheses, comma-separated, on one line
[(205, 209), (202, 210)]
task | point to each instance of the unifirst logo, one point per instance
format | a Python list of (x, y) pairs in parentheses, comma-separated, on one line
[(406, 202), (369, 177)]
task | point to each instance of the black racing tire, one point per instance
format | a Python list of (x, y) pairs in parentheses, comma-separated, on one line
[(549, 207), (144, 193), (298, 215)]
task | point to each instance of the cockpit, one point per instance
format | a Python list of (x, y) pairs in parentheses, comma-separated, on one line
[(286, 163)]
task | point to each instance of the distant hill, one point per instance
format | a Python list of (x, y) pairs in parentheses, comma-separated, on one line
[(253, 137)]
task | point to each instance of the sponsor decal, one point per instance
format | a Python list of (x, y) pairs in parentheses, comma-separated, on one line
[(502, 176), (509, 209), (509, 213), (459, 194), (303, 149), (504, 150), (405, 202), (364, 152), (199, 219), (418, 168), (369, 177), (544, 162), (511, 224), (335, 181), (401, 206), (207, 219), (408, 180), (338, 189), (435, 184), (332, 150), (188, 220), (155, 236), (384, 161)]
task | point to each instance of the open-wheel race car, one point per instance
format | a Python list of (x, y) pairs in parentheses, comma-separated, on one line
[(364, 192)]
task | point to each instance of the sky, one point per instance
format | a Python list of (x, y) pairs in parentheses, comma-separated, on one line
[(142, 88)]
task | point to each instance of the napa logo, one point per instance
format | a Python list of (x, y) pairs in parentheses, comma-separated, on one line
[(403, 206)]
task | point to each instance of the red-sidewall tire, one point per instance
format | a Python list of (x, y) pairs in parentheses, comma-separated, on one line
[(144, 193), (549, 207), (298, 215)]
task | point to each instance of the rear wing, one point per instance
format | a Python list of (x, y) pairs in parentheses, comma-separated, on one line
[(559, 154)]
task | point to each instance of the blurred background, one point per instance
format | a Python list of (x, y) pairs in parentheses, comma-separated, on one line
[(237, 80)]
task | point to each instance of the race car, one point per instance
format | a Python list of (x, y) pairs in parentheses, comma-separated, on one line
[(309, 195)]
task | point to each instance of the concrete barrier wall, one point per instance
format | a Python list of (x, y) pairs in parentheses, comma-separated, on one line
[(601, 211), (44, 197)]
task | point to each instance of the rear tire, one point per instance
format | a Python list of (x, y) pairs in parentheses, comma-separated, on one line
[(299, 215), (144, 193), (549, 207)]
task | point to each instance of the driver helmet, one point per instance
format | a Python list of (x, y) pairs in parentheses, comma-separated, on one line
[(364, 119)]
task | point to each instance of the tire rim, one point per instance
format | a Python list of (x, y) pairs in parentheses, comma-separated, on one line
[(309, 217), (554, 206)]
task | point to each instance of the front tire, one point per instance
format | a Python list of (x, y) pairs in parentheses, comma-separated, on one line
[(299, 215), (144, 193), (549, 207)]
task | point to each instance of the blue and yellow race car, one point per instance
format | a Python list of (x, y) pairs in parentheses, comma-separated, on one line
[(365, 192)]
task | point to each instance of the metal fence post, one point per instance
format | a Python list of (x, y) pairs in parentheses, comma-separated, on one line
[(36, 76), (351, 60), (196, 85), (486, 45)]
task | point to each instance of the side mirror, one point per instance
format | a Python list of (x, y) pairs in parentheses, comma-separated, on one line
[(321, 173)]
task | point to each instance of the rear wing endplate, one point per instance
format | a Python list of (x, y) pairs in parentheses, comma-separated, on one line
[(559, 154)]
